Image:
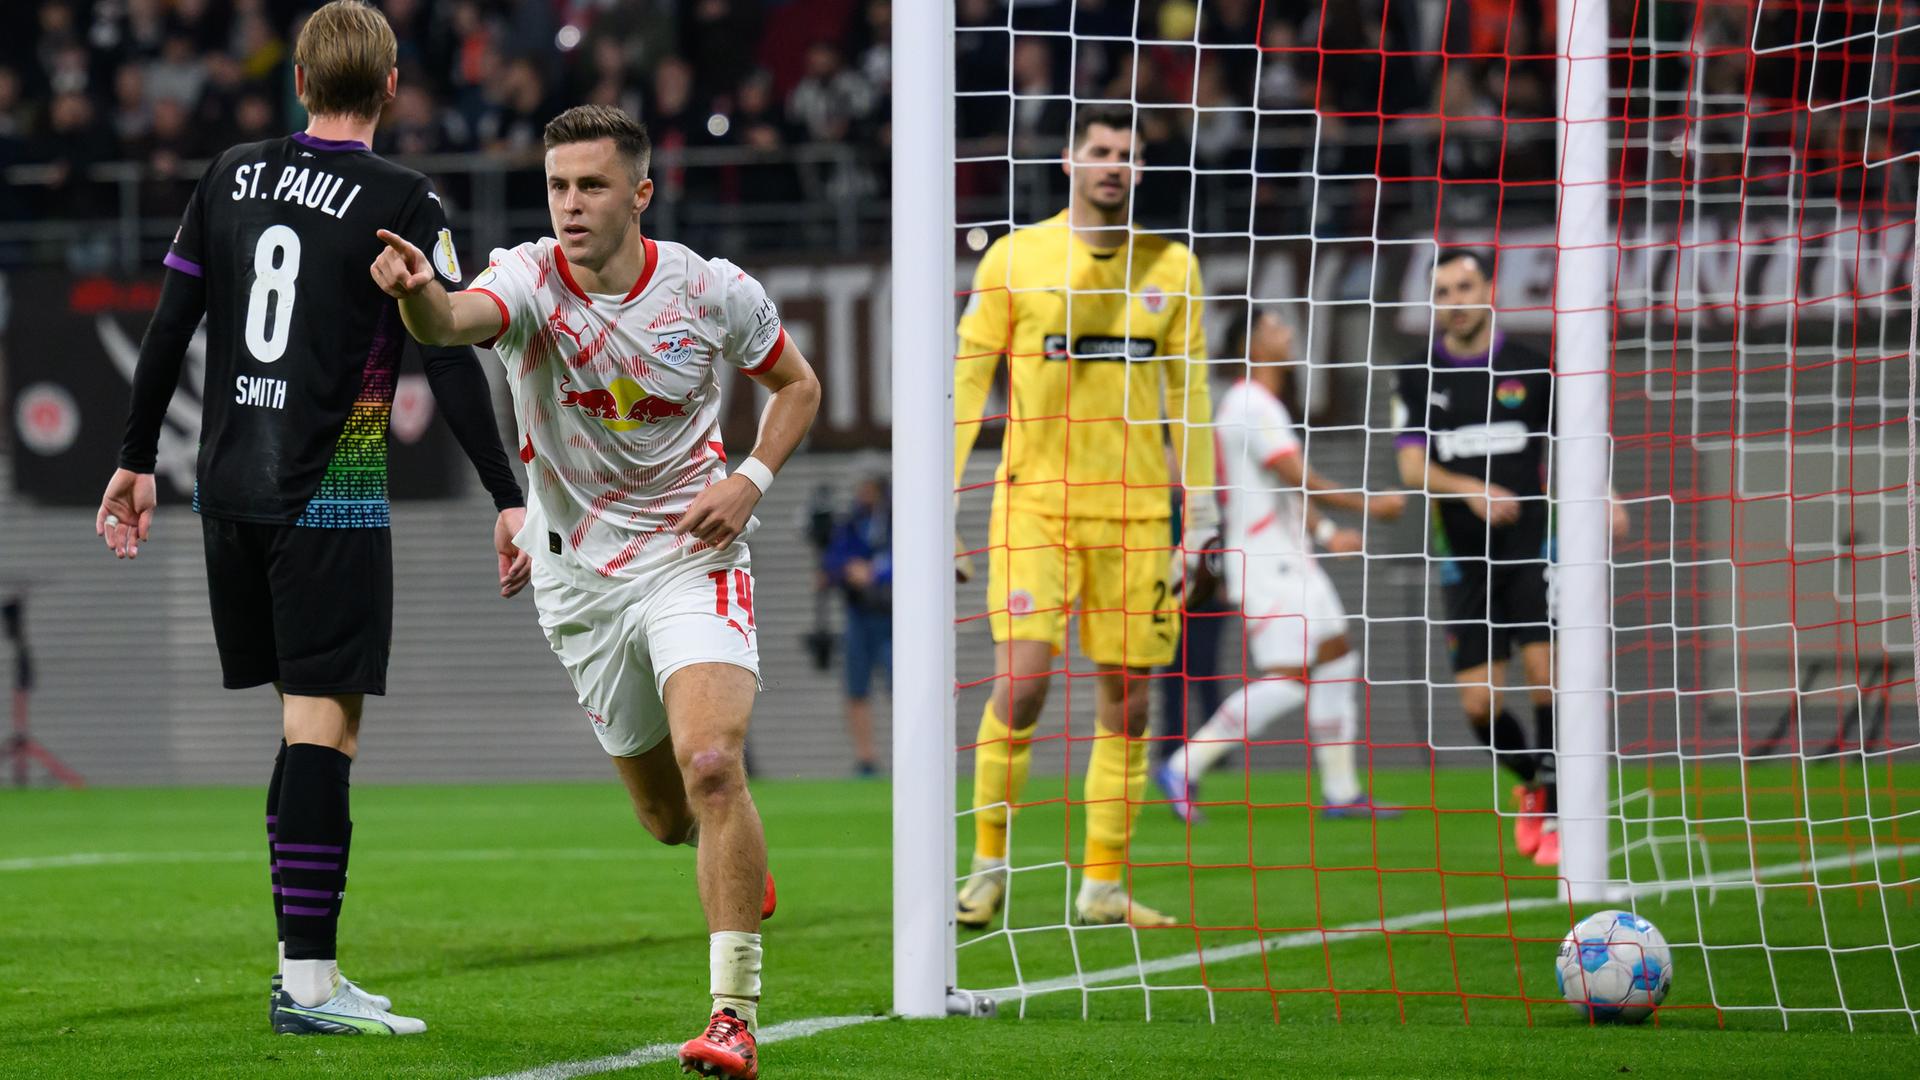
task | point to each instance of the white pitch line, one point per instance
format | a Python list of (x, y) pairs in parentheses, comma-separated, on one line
[(647, 1055), (534, 854), (1333, 935)]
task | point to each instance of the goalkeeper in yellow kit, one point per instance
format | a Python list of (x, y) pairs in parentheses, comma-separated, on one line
[(1100, 328)]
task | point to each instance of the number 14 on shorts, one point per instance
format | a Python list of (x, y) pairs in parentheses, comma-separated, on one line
[(740, 584)]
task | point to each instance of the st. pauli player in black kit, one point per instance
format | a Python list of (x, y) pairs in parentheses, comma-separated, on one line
[(291, 485), (1474, 421)]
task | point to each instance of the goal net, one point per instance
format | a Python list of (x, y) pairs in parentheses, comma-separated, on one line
[(1700, 219)]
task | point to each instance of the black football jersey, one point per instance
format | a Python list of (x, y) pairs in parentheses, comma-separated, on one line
[(1488, 417), (302, 348)]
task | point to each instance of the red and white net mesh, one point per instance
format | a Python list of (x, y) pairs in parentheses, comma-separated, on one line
[(1764, 791)]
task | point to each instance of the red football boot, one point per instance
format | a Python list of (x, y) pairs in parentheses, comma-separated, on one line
[(1548, 853), (725, 1049), (1532, 816), (770, 901)]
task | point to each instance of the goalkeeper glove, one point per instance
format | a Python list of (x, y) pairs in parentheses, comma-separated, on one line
[(1197, 567)]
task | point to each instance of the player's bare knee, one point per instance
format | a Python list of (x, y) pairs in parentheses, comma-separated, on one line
[(1023, 700), (1477, 703), (713, 777)]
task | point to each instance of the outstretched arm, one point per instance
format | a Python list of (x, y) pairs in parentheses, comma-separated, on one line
[(432, 314)]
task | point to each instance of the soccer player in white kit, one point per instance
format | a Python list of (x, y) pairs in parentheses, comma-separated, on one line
[(614, 345), (1297, 644)]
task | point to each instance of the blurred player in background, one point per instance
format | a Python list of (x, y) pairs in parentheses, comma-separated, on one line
[(291, 483), (1297, 644), (615, 345), (858, 561), (1474, 420), (1100, 328)]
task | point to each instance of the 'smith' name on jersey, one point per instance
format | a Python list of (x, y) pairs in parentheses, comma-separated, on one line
[(618, 398), (265, 393)]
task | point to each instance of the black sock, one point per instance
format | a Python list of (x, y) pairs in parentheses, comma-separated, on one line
[(1510, 747), (1549, 773), (310, 850), (273, 818)]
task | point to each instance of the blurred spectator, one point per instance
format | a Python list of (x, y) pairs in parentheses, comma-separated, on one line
[(871, 38), (14, 118), (712, 40), (607, 76), (859, 562), (132, 116), (516, 111), (832, 100), (1040, 116), (756, 123), (179, 74), (671, 115), (72, 143), (411, 125)]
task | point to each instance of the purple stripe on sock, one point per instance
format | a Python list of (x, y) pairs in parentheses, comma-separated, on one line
[(271, 837), (273, 819), (315, 911), (311, 849), (182, 264), (276, 890), (310, 894), (290, 865)]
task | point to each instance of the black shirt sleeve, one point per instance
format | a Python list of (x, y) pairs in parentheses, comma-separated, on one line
[(188, 253), (1409, 408), (183, 300), (459, 384)]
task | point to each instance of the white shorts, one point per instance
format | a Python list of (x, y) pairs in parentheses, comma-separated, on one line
[(620, 646), (1291, 609)]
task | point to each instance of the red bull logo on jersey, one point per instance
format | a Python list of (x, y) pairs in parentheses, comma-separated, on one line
[(622, 406)]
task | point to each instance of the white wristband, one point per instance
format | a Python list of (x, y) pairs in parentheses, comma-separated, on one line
[(757, 473), (1324, 531)]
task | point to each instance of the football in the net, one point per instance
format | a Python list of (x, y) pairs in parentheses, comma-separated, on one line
[(1614, 966)]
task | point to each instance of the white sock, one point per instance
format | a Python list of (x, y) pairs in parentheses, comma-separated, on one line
[(1251, 710), (310, 982), (1333, 722), (1091, 890), (280, 967), (733, 959)]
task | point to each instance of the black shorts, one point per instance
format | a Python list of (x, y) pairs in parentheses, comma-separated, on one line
[(1493, 607), (310, 609)]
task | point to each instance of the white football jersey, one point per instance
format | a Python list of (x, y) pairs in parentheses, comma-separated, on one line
[(1263, 517), (618, 398)]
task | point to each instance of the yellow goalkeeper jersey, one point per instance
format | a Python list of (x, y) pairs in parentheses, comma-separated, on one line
[(1106, 368)]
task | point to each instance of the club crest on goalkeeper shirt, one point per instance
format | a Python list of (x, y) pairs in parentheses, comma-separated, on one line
[(618, 397)]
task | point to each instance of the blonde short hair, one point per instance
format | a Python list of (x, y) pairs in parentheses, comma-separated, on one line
[(346, 49)]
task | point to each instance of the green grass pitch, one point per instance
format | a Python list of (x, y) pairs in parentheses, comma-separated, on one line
[(536, 924)]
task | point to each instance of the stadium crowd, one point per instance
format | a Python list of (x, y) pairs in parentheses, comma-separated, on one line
[(1388, 95)]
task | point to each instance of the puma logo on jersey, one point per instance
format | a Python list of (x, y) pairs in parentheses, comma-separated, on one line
[(558, 321)]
